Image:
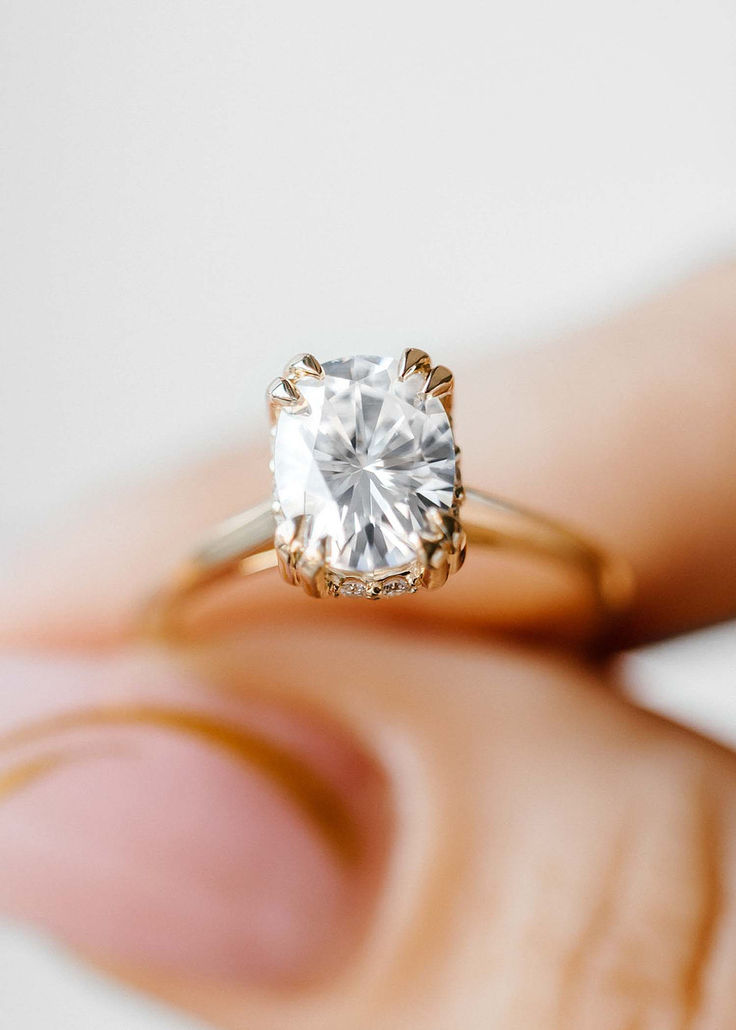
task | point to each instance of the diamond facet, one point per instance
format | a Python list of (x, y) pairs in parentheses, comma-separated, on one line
[(365, 460)]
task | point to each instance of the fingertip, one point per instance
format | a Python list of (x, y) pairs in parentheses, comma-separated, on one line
[(149, 821)]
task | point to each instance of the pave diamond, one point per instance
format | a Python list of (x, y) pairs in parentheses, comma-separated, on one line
[(365, 461)]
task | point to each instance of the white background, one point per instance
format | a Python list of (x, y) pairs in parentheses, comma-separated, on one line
[(190, 191)]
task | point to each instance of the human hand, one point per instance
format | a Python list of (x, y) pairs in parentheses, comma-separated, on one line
[(383, 815)]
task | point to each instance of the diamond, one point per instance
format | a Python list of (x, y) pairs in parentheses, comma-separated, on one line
[(352, 588), (365, 459), (396, 586)]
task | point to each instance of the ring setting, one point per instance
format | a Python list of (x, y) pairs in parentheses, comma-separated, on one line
[(368, 501), (367, 484)]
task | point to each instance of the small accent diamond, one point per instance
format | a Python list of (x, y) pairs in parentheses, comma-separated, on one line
[(352, 588), (396, 586)]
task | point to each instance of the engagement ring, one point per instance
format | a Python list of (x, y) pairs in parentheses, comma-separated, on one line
[(368, 499)]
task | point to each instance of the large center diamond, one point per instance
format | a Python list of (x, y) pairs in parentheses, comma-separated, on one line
[(365, 461)]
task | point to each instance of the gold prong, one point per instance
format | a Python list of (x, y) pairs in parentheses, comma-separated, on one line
[(283, 395), (288, 543), (312, 570), (300, 565), (439, 382), (442, 546), (433, 552), (414, 360), (282, 541), (435, 526), (435, 561), (456, 540), (458, 549), (284, 566), (303, 366)]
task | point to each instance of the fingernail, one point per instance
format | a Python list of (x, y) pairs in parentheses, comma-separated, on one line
[(152, 822)]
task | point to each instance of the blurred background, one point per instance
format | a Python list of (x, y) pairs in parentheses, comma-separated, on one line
[(190, 191)]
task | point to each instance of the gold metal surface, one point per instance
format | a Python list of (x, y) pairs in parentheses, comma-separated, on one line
[(246, 545), (304, 365), (413, 361), (283, 395), (440, 382)]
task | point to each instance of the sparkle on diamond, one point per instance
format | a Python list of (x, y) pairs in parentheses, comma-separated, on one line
[(365, 462)]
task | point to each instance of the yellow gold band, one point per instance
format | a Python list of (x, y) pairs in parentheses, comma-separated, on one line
[(244, 545)]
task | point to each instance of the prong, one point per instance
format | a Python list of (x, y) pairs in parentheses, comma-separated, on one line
[(439, 383), (441, 548), (302, 366), (412, 361), (312, 569), (435, 520), (300, 565), (284, 566), (282, 539), (283, 395), (435, 561), (432, 550), (455, 538), (288, 543), (458, 549)]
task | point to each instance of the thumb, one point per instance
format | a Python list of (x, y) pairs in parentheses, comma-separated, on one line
[(374, 829), (155, 822)]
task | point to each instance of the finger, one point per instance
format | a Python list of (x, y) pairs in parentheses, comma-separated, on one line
[(85, 584), (626, 431), (629, 431), (150, 821), (552, 857)]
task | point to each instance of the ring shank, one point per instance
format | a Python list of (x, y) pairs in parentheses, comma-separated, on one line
[(492, 522), (243, 545)]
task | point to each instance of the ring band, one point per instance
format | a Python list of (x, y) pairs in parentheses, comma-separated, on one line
[(244, 545), (368, 499)]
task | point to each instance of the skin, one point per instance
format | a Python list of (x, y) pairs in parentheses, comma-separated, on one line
[(500, 838)]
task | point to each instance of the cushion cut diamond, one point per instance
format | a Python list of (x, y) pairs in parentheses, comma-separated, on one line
[(365, 460)]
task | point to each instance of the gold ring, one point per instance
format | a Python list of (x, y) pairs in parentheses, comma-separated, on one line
[(368, 498)]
